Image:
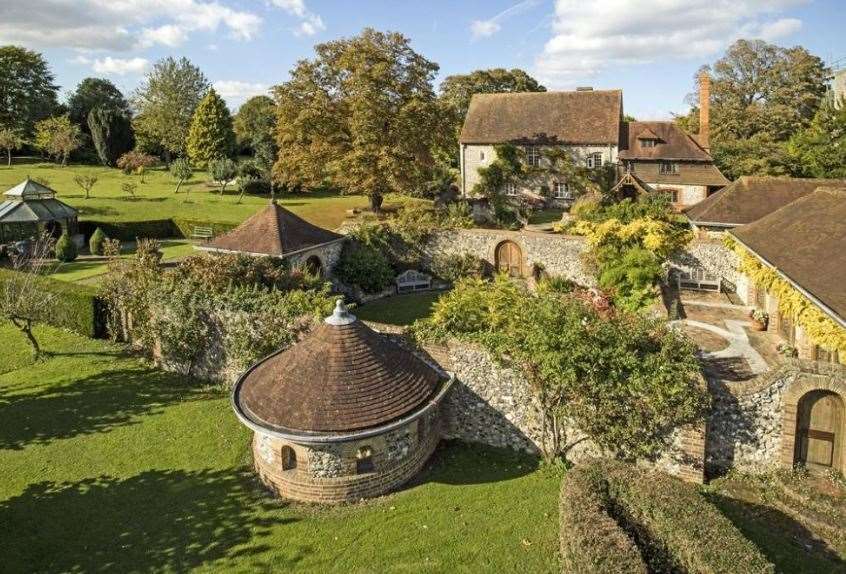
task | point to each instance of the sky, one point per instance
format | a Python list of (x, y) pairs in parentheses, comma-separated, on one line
[(650, 49)]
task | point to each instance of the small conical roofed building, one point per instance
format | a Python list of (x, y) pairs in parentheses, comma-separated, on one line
[(344, 414), (276, 232), (31, 208)]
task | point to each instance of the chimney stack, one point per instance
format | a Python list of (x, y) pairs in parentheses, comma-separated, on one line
[(704, 110)]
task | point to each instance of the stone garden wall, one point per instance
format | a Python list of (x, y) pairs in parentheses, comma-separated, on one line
[(712, 256)]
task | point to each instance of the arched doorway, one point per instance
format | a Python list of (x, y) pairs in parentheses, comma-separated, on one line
[(819, 431), (314, 266), (509, 259)]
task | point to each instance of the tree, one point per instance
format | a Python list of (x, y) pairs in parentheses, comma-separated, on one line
[(181, 171), (27, 91), (129, 188), (23, 301), (86, 182), (764, 94), (111, 132), (820, 149), (65, 248), (255, 121), (10, 140), (223, 170), (95, 93), (246, 177), (96, 242), (165, 103), (361, 116), (58, 137), (211, 135)]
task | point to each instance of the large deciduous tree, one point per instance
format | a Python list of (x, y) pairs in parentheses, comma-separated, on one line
[(762, 94), (111, 132), (58, 137), (361, 116), (93, 93), (210, 135), (165, 104), (27, 91), (255, 121)]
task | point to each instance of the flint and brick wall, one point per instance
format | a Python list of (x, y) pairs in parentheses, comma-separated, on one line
[(715, 258)]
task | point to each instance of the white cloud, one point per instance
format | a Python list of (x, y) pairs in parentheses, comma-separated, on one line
[(118, 25), (489, 27), (120, 66), (310, 23), (236, 92), (589, 37)]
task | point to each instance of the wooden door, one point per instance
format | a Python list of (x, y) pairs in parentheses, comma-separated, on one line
[(820, 431), (509, 259)]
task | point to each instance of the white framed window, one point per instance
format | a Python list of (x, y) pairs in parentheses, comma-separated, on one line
[(647, 143), (668, 168), (561, 190), (511, 189), (533, 156), (594, 161)]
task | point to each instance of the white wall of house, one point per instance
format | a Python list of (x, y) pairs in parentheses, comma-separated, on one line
[(475, 156), (687, 194)]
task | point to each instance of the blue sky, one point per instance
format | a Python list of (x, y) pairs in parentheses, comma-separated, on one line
[(650, 49)]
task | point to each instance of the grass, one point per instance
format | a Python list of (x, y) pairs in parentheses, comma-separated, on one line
[(544, 216), (89, 269), (156, 200), (399, 310), (109, 464)]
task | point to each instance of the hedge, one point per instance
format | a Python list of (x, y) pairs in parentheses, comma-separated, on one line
[(152, 229), (592, 541), (675, 528), (78, 307)]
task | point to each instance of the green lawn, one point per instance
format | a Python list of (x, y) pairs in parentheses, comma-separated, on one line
[(156, 200), (107, 464), (400, 309), (89, 269)]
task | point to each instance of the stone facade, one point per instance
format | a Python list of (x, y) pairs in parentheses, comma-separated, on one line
[(332, 473), (714, 257), (559, 255), (685, 195), (327, 255)]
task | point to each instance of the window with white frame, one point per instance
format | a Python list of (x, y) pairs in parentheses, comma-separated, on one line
[(511, 189), (561, 190), (668, 168), (648, 143), (533, 156), (594, 161)]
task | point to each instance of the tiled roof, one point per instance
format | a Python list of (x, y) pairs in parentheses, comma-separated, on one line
[(690, 173), (751, 198), (674, 142), (272, 231), (340, 377), (581, 117), (805, 241)]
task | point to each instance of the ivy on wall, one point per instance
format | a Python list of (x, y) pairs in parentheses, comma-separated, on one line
[(818, 326)]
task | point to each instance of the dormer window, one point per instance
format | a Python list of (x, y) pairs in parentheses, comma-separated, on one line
[(648, 143)]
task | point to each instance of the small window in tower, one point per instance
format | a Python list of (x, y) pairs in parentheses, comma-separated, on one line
[(482, 156), (364, 460), (289, 458)]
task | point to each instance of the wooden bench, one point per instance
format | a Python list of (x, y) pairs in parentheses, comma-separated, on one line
[(698, 279), (412, 280), (205, 233)]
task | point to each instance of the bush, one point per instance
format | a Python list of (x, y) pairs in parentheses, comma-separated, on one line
[(457, 266), (591, 540), (79, 308), (95, 243), (364, 267), (66, 248)]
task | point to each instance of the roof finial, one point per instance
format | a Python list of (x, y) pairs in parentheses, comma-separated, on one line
[(340, 316)]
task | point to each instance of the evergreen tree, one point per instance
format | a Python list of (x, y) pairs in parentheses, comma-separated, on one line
[(820, 150), (211, 135), (111, 132), (65, 248)]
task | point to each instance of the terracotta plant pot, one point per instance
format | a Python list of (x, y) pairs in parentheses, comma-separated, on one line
[(759, 325)]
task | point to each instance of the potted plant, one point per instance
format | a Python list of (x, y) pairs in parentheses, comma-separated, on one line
[(760, 318)]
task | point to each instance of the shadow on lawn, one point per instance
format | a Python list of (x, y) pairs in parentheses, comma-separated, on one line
[(452, 460), (789, 545), (157, 520), (88, 405)]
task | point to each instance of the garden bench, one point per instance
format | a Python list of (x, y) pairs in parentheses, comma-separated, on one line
[(205, 233), (413, 280), (698, 279)]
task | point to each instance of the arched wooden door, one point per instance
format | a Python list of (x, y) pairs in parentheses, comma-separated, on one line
[(509, 259), (819, 431)]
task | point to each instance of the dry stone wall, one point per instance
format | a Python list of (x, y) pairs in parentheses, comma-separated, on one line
[(712, 256)]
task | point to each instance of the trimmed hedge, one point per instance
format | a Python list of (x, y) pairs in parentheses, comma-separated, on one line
[(152, 229), (78, 309), (674, 527), (185, 227), (592, 541)]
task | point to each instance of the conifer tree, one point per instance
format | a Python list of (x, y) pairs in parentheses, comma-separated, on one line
[(211, 135)]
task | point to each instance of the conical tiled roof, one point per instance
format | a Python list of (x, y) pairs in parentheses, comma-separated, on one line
[(342, 377), (273, 231)]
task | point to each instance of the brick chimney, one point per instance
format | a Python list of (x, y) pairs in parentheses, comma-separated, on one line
[(704, 110)]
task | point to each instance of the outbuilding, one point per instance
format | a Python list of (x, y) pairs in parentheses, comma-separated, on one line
[(30, 209)]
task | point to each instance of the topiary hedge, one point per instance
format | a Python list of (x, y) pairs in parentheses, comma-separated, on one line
[(592, 541), (152, 229), (78, 308), (673, 526)]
